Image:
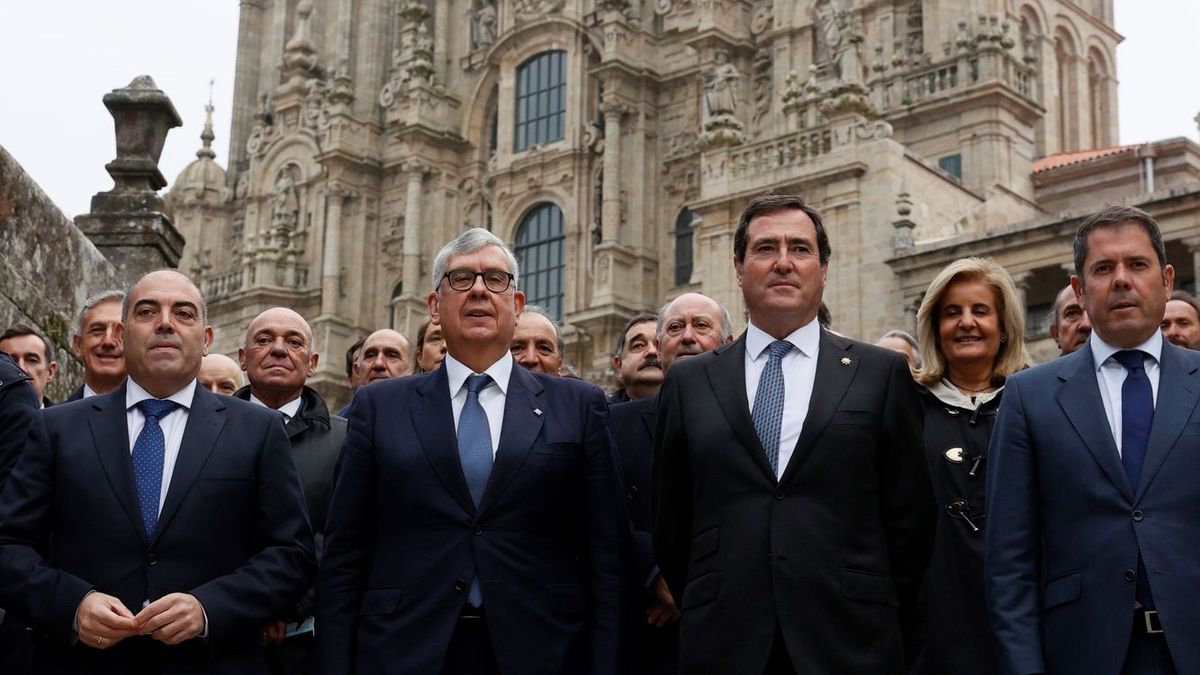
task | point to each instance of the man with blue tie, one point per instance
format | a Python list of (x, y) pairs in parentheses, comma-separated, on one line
[(158, 527), (793, 513), (476, 525), (1093, 502)]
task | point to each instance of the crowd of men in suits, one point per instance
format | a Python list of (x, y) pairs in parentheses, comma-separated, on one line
[(758, 504)]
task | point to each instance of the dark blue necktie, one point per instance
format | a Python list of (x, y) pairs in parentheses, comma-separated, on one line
[(148, 452), (475, 453), (1137, 413), (768, 403)]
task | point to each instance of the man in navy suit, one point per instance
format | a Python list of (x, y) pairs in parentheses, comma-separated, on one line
[(1093, 501), (476, 525), (158, 528)]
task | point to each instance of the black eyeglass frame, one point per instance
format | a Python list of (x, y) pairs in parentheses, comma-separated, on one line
[(509, 279)]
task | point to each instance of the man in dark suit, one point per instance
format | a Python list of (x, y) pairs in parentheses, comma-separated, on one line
[(278, 357), (793, 511), (159, 527), (20, 421), (97, 344), (477, 524), (1091, 544), (690, 324)]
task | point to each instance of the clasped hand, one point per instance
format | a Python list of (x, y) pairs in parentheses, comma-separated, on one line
[(102, 620)]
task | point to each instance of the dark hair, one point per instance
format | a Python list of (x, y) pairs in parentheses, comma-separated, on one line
[(1112, 216), (23, 329), (352, 353), (824, 317), (640, 317), (1188, 298), (760, 206)]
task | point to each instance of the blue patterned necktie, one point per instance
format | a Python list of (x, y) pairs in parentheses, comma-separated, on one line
[(475, 453), (148, 452), (768, 403), (1137, 413)]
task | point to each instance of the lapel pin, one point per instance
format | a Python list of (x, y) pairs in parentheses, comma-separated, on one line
[(845, 360), (537, 411), (955, 455)]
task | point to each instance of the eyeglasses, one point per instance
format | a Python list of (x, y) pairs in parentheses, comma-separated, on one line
[(496, 281)]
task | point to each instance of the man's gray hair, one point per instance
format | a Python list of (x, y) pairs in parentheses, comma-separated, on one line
[(468, 242), (94, 300), (726, 319), (542, 311), (912, 342)]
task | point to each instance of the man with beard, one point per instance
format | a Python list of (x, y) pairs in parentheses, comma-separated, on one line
[(1069, 324), (1181, 323), (97, 345), (639, 371), (688, 325)]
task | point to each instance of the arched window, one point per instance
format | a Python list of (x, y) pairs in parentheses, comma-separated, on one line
[(541, 100), (684, 256), (539, 251)]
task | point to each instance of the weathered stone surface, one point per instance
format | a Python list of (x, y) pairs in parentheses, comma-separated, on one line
[(47, 268)]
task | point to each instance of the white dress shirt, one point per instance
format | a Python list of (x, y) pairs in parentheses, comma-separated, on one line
[(799, 371), (172, 425), (88, 392), (492, 396), (1110, 375), (289, 409)]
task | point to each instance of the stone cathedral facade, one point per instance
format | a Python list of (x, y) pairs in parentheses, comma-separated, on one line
[(613, 143)]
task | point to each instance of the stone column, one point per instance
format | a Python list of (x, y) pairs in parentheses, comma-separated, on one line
[(245, 83), (128, 223), (412, 225), (1193, 246), (610, 209), (1021, 281), (331, 264)]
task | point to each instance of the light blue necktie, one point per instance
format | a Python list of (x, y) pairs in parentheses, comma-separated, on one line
[(148, 452), (475, 453), (768, 403)]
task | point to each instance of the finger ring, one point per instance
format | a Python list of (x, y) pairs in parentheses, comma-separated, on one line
[(99, 639)]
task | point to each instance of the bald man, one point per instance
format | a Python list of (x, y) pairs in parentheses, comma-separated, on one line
[(220, 374), (385, 354), (279, 356), (536, 344)]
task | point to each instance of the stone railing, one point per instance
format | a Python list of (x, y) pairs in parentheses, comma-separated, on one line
[(911, 87), (223, 285), (767, 157)]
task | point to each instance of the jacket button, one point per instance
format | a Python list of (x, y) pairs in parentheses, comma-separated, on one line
[(478, 530), (1130, 575), (1138, 515), (152, 560), (778, 495), (460, 584)]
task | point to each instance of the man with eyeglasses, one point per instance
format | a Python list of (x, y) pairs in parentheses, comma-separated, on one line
[(477, 523)]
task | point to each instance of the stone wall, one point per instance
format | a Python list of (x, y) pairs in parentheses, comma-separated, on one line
[(47, 268)]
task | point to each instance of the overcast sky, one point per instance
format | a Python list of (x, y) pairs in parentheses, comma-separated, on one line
[(62, 56)]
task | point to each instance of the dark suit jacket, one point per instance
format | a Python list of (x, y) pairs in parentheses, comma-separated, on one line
[(232, 532), (1065, 526), (75, 395), (18, 414), (403, 537), (633, 428), (831, 554)]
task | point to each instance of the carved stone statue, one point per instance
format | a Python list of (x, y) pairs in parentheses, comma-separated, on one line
[(285, 205), (721, 86), (844, 42), (483, 24)]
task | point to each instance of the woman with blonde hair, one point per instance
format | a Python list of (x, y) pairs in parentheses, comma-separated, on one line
[(971, 328)]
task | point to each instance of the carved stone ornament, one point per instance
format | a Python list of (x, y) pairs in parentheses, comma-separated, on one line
[(535, 9), (721, 126), (483, 24)]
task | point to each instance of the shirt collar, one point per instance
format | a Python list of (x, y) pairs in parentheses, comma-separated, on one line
[(290, 409), (1102, 351), (805, 338), (88, 392), (457, 373), (134, 394)]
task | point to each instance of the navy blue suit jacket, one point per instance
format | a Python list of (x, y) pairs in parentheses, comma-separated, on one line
[(403, 537), (1065, 526), (232, 532)]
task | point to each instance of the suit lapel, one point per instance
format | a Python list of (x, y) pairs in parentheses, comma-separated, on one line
[(727, 375), (110, 436), (204, 424), (830, 382), (1079, 396), (1178, 391), (433, 421), (519, 430)]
